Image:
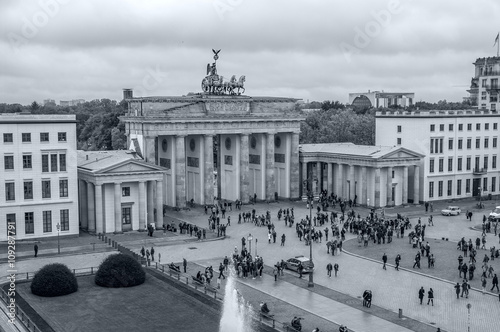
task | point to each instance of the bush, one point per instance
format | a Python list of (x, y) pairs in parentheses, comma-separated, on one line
[(119, 270), (54, 280)]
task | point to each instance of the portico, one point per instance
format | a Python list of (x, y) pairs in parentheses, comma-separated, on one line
[(375, 176)]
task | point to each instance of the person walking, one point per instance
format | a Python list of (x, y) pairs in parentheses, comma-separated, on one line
[(275, 273), (36, 249), (483, 284), (465, 289), (152, 254), (430, 296), (283, 238), (148, 258), (329, 269), (143, 252), (300, 268), (494, 282), (184, 264), (457, 289), (384, 259), (398, 259), (336, 268), (421, 294)]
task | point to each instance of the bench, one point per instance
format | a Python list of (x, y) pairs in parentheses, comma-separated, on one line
[(174, 268), (198, 281), (268, 316)]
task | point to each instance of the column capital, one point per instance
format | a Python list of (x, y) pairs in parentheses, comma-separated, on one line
[(180, 135)]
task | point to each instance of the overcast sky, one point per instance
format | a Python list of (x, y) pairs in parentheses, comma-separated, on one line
[(312, 50)]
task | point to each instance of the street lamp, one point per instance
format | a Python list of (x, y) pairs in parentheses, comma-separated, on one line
[(58, 246), (256, 246), (310, 200), (250, 238), (468, 316)]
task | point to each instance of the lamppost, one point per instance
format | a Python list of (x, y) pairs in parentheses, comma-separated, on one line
[(479, 188), (310, 200), (468, 316), (58, 226), (256, 246), (250, 238)]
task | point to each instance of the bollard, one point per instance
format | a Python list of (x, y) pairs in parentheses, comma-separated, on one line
[(400, 313)]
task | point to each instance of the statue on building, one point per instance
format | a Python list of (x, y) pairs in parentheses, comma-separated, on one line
[(214, 83)]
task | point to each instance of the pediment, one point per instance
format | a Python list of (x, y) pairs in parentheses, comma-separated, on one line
[(402, 154), (131, 166)]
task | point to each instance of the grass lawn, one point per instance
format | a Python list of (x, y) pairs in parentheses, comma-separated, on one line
[(445, 254), (152, 306)]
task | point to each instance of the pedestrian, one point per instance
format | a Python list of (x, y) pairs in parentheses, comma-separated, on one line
[(398, 259), (184, 264), (457, 289), (275, 273), (148, 257), (300, 268), (384, 259), (143, 252), (329, 269), (430, 296), (494, 282), (465, 289), (336, 268), (283, 238), (421, 293), (483, 284), (152, 254), (36, 249)]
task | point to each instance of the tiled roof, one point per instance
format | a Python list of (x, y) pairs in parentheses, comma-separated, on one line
[(97, 160)]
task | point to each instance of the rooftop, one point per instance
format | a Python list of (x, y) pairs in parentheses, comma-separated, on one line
[(351, 149), (436, 113), (42, 118), (97, 160)]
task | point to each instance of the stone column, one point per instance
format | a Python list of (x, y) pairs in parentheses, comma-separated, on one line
[(99, 219), (91, 207), (294, 167), (319, 177), (244, 168), (270, 176), (405, 185), (180, 169), (209, 169), (142, 205), (389, 187), (416, 185), (352, 182), (202, 172), (82, 198), (340, 182), (149, 149), (377, 188), (304, 178), (237, 168), (150, 203), (363, 192), (118, 207), (329, 170), (159, 204)]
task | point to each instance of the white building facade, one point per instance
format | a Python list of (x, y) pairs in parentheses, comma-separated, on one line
[(484, 90), (38, 175), (460, 149)]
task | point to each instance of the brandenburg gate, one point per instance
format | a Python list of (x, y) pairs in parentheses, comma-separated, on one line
[(218, 142)]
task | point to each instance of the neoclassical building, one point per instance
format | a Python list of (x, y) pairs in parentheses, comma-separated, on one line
[(216, 145), (376, 176)]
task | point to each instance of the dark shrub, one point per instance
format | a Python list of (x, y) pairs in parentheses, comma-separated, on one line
[(54, 280), (119, 270)]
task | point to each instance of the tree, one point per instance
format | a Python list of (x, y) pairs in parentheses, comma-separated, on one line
[(34, 106)]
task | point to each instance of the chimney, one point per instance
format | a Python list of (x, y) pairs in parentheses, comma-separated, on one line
[(128, 93)]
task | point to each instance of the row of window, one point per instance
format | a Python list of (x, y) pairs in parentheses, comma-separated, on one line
[(10, 189), (29, 221), (468, 163), (26, 137), (460, 127), (449, 187), (49, 162), (436, 145)]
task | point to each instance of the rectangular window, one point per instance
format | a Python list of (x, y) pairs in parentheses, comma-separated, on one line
[(26, 137), (476, 163), (8, 138), (494, 142), (27, 161), (459, 187), (61, 137), (486, 142), (45, 162), (440, 145), (29, 224), (431, 166), (469, 143), (45, 188), (459, 163), (485, 165), (399, 129), (63, 188), (441, 127), (494, 162), (483, 83), (8, 162), (469, 126), (493, 184), (450, 164), (125, 191), (440, 188), (495, 126), (468, 164), (483, 95), (28, 190), (398, 140), (460, 144), (460, 126), (441, 162), (478, 143), (11, 223), (493, 107), (47, 221), (486, 126), (432, 145), (10, 191), (53, 162), (485, 184), (450, 127), (433, 127), (64, 220), (431, 189), (62, 162), (44, 137), (127, 215), (478, 126), (467, 186), (450, 144), (449, 187)]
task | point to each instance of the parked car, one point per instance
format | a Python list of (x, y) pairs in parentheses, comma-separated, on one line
[(495, 214), (293, 264), (451, 211)]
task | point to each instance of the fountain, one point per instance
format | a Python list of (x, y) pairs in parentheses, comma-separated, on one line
[(236, 313)]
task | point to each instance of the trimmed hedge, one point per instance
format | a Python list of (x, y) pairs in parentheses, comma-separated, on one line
[(119, 270), (54, 280)]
